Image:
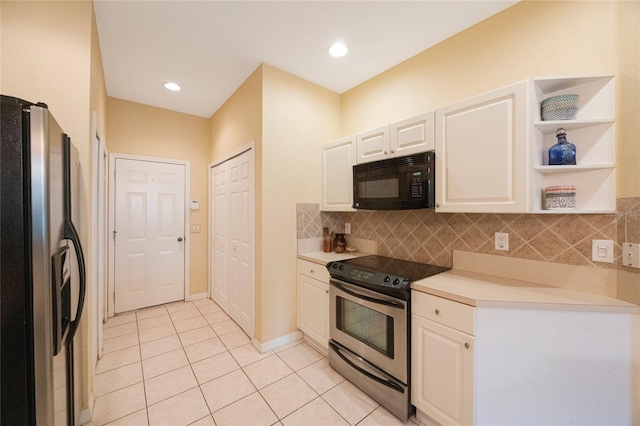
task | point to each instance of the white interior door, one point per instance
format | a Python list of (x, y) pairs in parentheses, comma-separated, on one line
[(232, 238), (219, 232), (149, 233), (241, 303)]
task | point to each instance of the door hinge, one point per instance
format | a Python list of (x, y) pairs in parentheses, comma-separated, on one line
[(114, 235)]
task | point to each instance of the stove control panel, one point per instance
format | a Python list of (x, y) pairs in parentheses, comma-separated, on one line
[(351, 273)]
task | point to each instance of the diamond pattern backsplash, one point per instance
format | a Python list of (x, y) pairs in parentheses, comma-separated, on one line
[(429, 237)]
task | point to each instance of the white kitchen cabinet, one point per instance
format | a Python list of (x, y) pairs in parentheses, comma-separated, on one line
[(413, 135), (594, 134), (482, 148), (338, 158), (442, 345), (372, 145), (442, 369), (313, 302), (406, 137), (552, 364)]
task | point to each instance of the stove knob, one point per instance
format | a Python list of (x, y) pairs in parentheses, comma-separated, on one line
[(341, 267), (386, 279), (396, 281), (335, 265)]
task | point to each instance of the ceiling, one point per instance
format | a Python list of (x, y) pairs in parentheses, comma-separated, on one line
[(211, 47)]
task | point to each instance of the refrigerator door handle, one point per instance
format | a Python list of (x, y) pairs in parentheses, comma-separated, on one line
[(72, 234), (60, 278)]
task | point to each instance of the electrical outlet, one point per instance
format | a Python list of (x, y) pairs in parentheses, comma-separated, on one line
[(195, 227), (502, 241), (347, 228)]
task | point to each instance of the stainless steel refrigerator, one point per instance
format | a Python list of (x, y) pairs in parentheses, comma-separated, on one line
[(42, 272)]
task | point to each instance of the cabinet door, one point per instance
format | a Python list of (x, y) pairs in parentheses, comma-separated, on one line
[(481, 153), (413, 135), (372, 145), (313, 309), (338, 158), (442, 372)]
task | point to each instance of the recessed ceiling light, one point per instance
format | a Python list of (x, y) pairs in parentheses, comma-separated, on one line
[(338, 50), (172, 86)]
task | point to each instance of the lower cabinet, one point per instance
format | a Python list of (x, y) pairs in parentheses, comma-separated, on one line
[(313, 302), (441, 363), (552, 364)]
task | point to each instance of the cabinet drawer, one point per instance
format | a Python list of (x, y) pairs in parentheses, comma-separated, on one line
[(443, 311), (313, 270)]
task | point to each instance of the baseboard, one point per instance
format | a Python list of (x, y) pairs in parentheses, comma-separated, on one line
[(198, 296), (87, 414), (276, 343)]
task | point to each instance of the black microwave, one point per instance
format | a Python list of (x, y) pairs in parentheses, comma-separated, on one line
[(398, 183)]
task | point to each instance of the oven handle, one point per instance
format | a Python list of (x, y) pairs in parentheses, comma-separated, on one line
[(388, 383), (367, 298)]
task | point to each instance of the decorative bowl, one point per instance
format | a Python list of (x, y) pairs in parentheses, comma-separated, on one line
[(560, 197), (561, 107)]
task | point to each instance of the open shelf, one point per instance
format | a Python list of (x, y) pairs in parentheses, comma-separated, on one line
[(593, 132), (570, 169)]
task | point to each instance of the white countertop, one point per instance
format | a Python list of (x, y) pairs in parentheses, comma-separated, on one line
[(483, 290), (323, 258)]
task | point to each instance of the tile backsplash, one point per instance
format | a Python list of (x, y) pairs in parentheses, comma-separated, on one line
[(429, 237)]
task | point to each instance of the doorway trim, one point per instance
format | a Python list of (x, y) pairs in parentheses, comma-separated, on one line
[(99, 249), (112, 214), (250, 146)]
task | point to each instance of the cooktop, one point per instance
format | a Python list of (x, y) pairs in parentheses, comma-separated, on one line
[(380, 272)]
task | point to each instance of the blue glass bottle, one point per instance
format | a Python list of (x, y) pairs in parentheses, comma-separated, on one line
[(562, 153)]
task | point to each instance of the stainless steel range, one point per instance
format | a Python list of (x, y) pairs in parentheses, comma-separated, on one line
[(370, 311)]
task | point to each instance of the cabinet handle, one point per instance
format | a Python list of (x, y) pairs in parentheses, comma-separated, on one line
[(437, 204), (385, 153), (312, 271), (326, 291), (466, 345), (437, 311), (392, 151)]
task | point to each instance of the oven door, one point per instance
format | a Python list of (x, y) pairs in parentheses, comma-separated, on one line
[(370, 324)]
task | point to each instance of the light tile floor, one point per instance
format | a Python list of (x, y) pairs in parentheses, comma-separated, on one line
[(190, 364)]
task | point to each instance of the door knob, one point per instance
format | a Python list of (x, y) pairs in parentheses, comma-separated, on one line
[(179, 239)]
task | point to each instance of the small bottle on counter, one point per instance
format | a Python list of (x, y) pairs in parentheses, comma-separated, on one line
[(327, 241)]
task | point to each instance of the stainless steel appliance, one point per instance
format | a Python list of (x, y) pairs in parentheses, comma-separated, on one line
[(399, 183), (41, 267), (370, 311)]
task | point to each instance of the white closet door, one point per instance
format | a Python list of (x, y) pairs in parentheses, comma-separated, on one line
[(219, 233), (232, 239), (241, 300)]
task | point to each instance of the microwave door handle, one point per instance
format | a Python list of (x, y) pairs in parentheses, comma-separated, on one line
[(367, 298), (385, 382)]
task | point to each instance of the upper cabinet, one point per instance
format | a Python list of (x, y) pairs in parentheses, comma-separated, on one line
[(405, 137), (338, 158), (593, 133), (481, 153)]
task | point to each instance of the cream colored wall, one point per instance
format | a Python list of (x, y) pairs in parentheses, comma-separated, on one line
[(529, 39), (137, 129), (298, 116), (43, 60), (237, 122)]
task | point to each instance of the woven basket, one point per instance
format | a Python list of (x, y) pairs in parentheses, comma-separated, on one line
[(561, 107)]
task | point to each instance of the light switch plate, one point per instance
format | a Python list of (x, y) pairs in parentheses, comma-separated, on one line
[(195, 205), (631, 255), (602, 251)]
